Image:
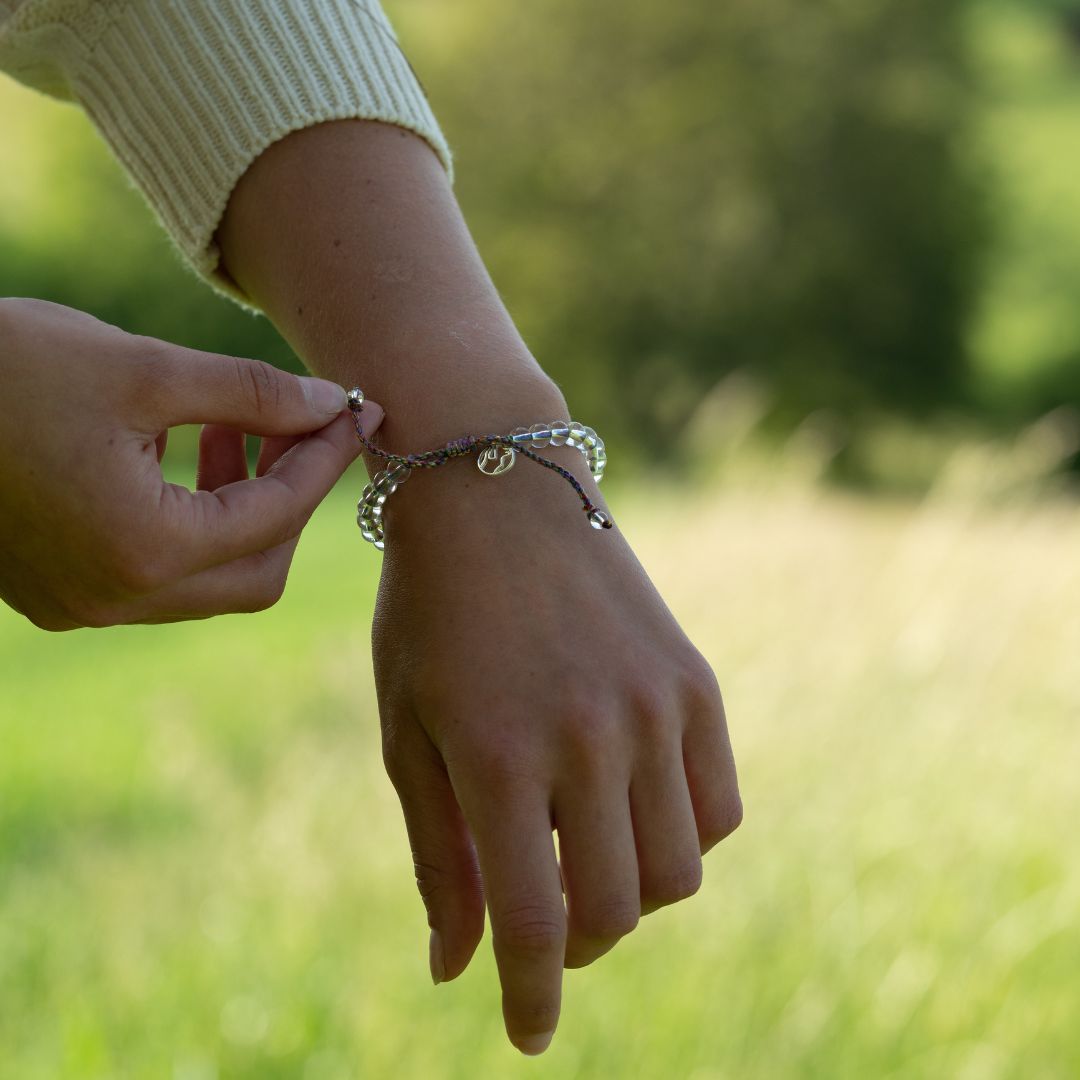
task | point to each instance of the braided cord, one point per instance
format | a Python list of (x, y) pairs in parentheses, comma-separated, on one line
[(431, 459)]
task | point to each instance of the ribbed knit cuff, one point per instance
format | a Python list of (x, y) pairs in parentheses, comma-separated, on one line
[(189, 92)]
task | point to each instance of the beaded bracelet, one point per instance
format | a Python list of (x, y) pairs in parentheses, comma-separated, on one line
[(497, 455)]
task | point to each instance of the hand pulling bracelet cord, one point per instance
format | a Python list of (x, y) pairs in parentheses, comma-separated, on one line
[(497, 455)]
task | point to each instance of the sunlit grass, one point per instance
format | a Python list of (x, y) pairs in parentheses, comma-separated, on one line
[(203, 871)]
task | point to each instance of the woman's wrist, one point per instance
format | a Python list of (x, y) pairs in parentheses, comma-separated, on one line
[(348, 236)]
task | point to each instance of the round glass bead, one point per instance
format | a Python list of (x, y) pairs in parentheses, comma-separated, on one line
[(399, 472), (355, 398), (575, 435), (541, 436), (384, 484), (521, 434), (368, 491), (379, 545), (559, 430), (597, 518), (367, 534)]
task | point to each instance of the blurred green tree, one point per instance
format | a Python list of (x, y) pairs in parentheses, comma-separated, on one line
[(668, 192), (664, 194)]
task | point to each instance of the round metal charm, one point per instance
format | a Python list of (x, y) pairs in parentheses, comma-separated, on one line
[(495, 460)]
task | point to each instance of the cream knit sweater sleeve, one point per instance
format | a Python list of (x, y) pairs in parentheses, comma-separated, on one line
[(189, 92)]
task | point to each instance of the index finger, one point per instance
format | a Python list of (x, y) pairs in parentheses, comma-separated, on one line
[(513, 836)]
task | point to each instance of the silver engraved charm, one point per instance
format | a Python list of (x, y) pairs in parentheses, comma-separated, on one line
[(494, 460)]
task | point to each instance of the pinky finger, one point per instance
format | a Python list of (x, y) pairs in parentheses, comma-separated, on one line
[(710, 776)]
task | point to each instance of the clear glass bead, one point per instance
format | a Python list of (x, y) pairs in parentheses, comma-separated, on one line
[(576, 434), (368, 535), (597, 518), (384, 484), (368, 491), (541, 436), (588, 442), (521, 435), (399, 472), (559, 430), (379, 545)]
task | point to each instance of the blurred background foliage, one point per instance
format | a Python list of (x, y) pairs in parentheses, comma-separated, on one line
[(869, 212), (809, 241)]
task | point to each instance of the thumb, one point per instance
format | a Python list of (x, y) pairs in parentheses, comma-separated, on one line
[(192, 387), (274, 447), (444, 858)]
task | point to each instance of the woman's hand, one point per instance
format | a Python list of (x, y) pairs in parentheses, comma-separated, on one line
[(531, 678), (90, 533)]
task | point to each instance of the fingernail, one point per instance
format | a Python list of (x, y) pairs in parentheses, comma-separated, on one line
[(435, 957), (535, 1044), (324, 396)]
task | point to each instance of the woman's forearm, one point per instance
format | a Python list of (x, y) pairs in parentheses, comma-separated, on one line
[(347, 234)]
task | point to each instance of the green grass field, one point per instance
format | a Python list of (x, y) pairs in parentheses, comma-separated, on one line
[(204, 872)]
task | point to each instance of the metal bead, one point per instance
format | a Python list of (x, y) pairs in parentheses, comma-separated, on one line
[(355, 398), (559, 430)]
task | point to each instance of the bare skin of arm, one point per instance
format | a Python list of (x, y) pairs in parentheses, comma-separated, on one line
[(529, 677)]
